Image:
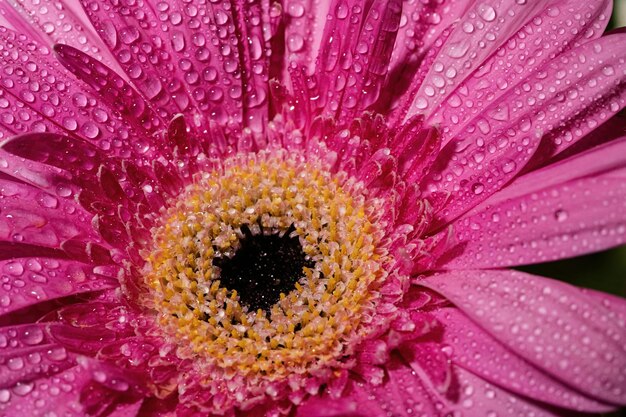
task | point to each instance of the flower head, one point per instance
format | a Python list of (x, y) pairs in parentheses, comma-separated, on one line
[(307, 208)]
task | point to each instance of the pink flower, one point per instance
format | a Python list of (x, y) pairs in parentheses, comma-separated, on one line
[(307, 208)]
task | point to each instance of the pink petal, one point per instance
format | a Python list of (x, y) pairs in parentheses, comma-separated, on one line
[(29, 354), (526, 52), (402, 394), (476, 36), (60, 22), (113, 90), (60, 393), (422, 23), (552, 325), (32, 216), (32, 102), (29, 281), (11, 19), (429, 359), (127, 410), (354, 56), (478, 398), (548, 214), (475, 350), (304, 27), (492, 151), (33, 364), (192, 70)]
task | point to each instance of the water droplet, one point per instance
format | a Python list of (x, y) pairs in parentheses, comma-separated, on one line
[(57, 354), (70, 124), (129, 34), (5, 395), (295, 43), (178, 41), (478, 188), (22, 389), (608, 70), (487, 12), (508, 166), (90, 130), (458, 49), (295, 9), (561, 215), (15, 364), (468, 27), (341, 11)]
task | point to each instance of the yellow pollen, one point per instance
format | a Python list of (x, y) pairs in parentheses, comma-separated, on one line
[(320, 320)]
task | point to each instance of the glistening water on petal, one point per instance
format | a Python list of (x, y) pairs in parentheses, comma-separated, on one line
[(306, 208)]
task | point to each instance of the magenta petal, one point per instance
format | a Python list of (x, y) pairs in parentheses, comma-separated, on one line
[(430, 359), (32, 364), (478, 398), (113, 90), (127, 410), (475, 350), (60, 393), (475, 37), (425, 21), (35, 217), (402, 394), (28, 281), (548, 214), (354, 56), (303, 21), (59, 22), (489, 153), (526, 52), (37, 98), (193, 68), (555, 326)]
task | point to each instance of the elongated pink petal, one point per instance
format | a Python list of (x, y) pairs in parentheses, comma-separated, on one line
[(192, 69), (547, 214), (527, 51), (304, 22), (421, 24), (31, 97), (29, 281), (370, 58), (60, 393), (113, 90), (474, 349), (354, 56), (59, 22), (489, 154), (402, 394), (479, 398), (127, 410), (34, 217), (31, 364), (476, 36), (552, 325), (11, 19), (429, 358)]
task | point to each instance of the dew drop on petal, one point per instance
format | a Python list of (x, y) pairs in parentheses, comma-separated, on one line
[(487, 12), (478, 188), (295, 42), (561, 215)]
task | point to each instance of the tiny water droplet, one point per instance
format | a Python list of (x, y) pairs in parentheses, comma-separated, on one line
[(561, 215)]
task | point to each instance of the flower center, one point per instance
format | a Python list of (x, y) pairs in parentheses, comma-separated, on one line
[(267, 266), (264, 266)]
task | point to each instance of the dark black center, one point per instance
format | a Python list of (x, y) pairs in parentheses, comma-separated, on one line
[(263, 267)]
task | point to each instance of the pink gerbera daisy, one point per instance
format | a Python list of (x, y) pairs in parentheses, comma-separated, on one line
[(307, 207)]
